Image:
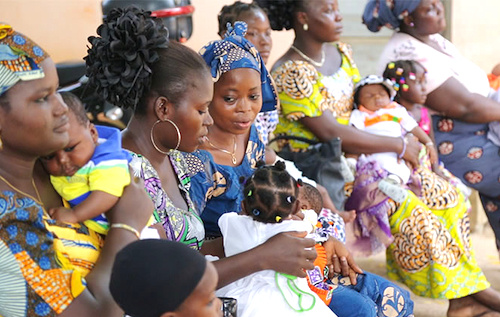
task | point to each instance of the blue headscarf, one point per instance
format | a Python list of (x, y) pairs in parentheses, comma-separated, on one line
[(234, 51), (389, 13)]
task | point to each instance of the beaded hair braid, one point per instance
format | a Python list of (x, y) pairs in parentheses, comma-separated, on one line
[(399, 72), (270, 194), (230, 13)]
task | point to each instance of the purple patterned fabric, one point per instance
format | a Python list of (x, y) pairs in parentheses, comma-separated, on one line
[(180, 225), (371, 227)]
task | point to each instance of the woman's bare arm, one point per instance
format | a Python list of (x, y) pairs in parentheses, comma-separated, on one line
[(134, 209), (355, 141), (454, 100)]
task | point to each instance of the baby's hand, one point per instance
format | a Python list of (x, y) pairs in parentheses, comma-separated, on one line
[(431, 150), (348, 215), (63, 214)]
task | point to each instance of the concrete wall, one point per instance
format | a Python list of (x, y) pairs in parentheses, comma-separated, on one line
[(476, 30), (62, 28)]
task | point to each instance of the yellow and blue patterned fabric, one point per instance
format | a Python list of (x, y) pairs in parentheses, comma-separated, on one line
[(305, 92), (234, 51), (215, 188), (19, 58), (106, 171), (43, 263)]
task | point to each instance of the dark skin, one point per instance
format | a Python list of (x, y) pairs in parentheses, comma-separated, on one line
[(324, 26), (49, 134), (235, 104), (272, 254), (452, 98), (133, 208)]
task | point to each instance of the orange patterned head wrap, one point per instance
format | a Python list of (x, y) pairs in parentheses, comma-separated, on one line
[(20, 58)]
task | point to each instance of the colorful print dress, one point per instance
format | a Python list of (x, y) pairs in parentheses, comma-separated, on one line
[(304, 92), (180, 225), (463, 147), (216, 188), (414, 256), (43, 263)]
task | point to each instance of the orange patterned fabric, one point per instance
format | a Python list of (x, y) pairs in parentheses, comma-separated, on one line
[(316, 278)]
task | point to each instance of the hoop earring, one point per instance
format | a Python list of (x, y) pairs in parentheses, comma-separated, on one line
[(1, 143), (305, 27), (176, 130)]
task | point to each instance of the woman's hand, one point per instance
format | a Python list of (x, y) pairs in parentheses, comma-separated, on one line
[(431, 149), (340, 260), (134, 207), (412, 150), (288, 253)]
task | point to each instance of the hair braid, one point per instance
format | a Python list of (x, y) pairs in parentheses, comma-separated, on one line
[(399, 72), (231, 13), (270, 194)]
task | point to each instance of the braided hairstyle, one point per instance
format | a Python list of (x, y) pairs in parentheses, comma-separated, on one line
[(231, 13), (399, 72), (132, 59), (281, 12), (270, 194)]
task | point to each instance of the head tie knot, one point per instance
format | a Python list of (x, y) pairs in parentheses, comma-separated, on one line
[(235, 51)]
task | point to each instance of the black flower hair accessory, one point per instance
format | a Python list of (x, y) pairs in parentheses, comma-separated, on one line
[(120, 58)]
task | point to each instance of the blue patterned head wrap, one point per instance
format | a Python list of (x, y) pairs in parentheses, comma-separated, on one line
[(20, 58), (234, 51), (389, 13)]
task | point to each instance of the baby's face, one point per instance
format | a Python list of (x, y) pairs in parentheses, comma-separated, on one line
[(374, 97), (81, 147)]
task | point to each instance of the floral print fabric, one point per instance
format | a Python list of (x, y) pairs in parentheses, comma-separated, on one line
[(180, 225)]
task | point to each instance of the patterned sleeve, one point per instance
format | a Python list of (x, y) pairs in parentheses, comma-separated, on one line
[(351, 67), (37, 277), (299, 90)]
